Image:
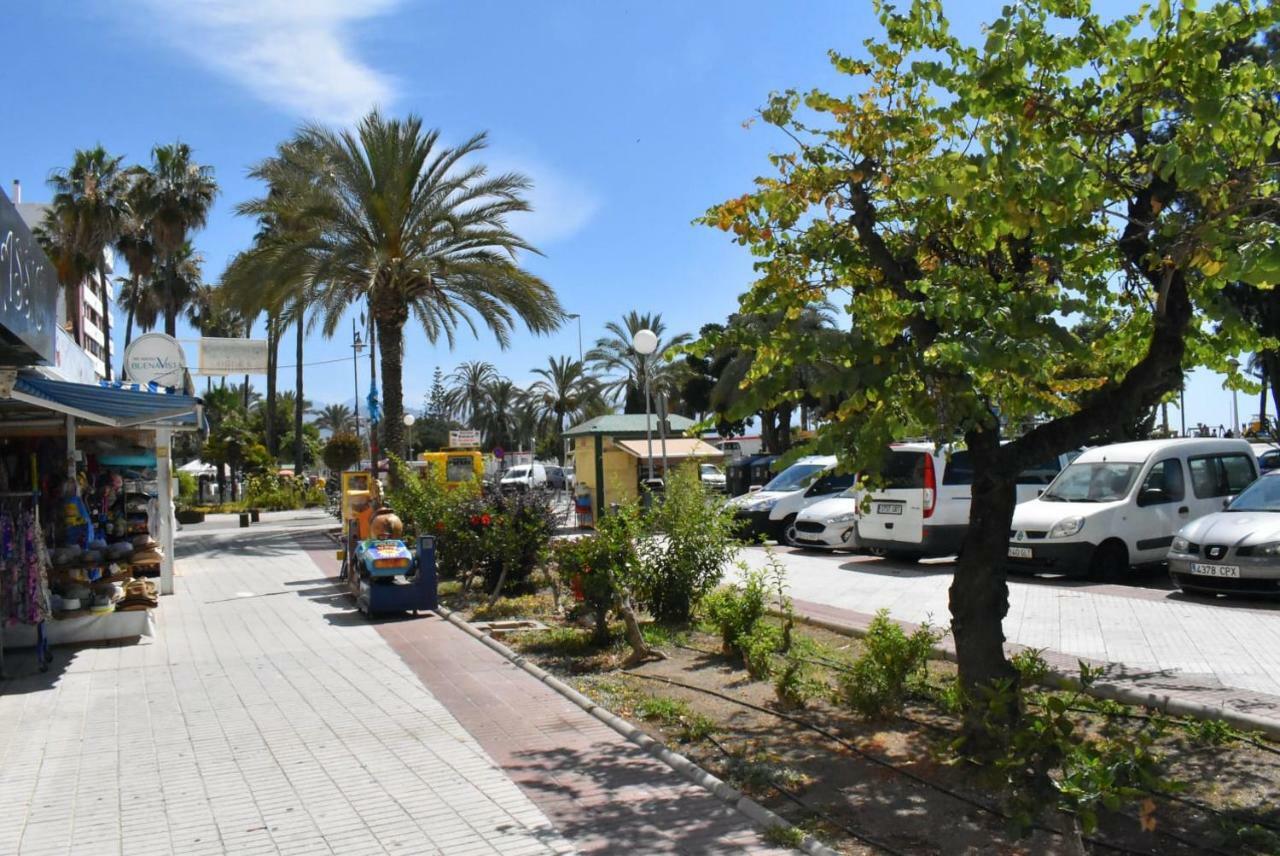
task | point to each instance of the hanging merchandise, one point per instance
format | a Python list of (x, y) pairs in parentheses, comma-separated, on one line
[(25, 567)]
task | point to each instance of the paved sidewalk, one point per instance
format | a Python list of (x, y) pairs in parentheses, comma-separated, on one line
[(265, 719), (1220, 653), (601, 791)]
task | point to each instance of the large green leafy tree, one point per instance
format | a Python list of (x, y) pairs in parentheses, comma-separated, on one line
[(967, 205)]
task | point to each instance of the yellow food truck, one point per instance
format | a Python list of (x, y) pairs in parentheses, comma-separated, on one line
[(454, 467)]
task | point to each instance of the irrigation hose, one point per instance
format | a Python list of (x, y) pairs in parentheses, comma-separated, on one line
[(978, 804)]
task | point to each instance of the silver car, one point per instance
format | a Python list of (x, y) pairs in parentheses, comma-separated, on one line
[(1234, 551)]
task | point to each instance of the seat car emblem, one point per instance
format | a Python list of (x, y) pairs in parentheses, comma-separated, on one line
[(1022, 535), (1216, 552)]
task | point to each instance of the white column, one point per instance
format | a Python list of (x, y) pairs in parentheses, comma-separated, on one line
[(164, 485), (71, 447)]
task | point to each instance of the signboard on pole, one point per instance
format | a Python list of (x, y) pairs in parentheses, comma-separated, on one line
[(464, 439), (155, 358), (28, 293), (232, 356)]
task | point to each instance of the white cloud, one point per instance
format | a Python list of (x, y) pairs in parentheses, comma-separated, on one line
[(562, 205), (294, 54)]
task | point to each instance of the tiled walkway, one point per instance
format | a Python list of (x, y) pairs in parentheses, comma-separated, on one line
[(265, 719), (269, 717)]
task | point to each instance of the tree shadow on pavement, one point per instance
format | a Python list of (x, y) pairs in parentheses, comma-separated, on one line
[(612, 797)]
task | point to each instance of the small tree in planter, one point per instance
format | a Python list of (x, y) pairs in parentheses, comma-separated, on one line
[(691, 539), (518, 540)]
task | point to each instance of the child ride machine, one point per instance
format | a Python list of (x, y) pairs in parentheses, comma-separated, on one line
[(383, 574)]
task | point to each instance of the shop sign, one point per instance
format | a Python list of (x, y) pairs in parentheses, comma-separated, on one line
[(232, 356), (28, 293), (465, 439), (155, 358)]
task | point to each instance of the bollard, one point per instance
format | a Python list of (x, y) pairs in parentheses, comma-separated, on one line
[(253, 515), (244, 520)]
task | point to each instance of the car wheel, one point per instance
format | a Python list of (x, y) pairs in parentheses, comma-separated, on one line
[(788, 536), (1110, 561)]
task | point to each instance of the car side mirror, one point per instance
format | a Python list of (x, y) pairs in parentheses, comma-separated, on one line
[(755, 488), (1040, 492), (1226, 502), (1152, 496)]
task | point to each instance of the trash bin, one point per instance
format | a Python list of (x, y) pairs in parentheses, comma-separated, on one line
[(762, 469), (737, 476)]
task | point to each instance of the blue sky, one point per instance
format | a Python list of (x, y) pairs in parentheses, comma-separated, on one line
[(628, 116)]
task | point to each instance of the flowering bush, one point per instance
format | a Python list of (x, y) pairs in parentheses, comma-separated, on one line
[(596, 566), (516, 540), (280, 493), (458, 518)]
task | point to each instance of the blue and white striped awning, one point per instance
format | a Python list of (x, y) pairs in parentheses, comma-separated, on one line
[(121, 407), (151, 387)]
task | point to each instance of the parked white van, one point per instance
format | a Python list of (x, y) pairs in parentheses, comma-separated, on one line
[(1120, 505), (771, 511), (923, 508), (524, 477)]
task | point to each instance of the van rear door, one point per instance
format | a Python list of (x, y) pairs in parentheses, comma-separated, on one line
[(896, 511)]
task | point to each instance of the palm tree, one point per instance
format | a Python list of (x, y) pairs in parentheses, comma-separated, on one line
[(400, 225), (135, 244), (614, 355), (565, 390), (336, 418), (175, 284), (174, 196), (467, 389), (89, 209), (497, 415)]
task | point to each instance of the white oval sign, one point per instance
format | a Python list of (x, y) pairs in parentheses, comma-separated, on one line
[(155, 357)]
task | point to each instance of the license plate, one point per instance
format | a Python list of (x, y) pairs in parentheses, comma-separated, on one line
[(1215, 570), (888, 507), (1020, 553)]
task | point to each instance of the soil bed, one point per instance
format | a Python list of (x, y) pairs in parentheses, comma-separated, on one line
[(894, 786)]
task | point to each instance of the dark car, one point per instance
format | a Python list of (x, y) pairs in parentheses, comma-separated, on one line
[(556, 479)]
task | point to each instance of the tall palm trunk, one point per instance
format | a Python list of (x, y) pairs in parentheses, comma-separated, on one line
[(273, 360), (106, 317), (171, 321), (390, 322), (128, 321), (297, 407)]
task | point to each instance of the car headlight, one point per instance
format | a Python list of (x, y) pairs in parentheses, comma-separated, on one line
[(1180, 545), (1066, 527), (1269, 549), (843, 518), (762, 505)]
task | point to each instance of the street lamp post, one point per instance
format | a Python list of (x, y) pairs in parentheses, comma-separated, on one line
[(645, 343), (578, 318), (408, 436), (356, 347), (1234, 365)]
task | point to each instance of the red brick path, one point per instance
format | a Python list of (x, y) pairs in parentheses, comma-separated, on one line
[(602, 792)]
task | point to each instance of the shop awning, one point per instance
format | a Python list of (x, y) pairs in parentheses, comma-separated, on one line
[(677, 448), (120, 408)]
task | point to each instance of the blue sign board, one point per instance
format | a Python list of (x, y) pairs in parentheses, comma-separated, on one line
[(28, 294)]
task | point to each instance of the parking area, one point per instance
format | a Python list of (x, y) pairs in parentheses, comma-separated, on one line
[(1143, 624)]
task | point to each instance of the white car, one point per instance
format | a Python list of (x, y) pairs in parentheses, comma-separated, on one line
[(524, 477), (831, 524), (771, 511), (712, 477), (1121, 505), (1236, 551)]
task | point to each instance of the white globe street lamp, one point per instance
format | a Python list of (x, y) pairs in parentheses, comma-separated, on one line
[(408, 442), (645, 343)]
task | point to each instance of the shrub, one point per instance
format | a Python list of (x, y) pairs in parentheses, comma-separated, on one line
[(342, 452), (758, 647), (1031, 665), (891, 663), (187, 486), (458, 518), (735, 610), (691, 538), (517, 541), (280, 493)]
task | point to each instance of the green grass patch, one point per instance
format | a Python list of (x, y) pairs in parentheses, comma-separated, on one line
[(556, 642), (664, 635), (524, 606), (676, 717), (785, 836)]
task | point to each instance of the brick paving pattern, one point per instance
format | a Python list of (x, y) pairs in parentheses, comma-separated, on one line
[(600, 791), (267, 718)]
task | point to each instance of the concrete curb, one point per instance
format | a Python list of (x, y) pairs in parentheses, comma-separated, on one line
[(1162, 702), (725, 792)]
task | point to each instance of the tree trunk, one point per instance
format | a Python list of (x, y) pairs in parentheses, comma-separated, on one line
[(979, 595), (298, 407), (1262, 400), (128, 322), (391, 332), (106, 318), (373, 384), (269, 412), (640, 650), (171, 321)]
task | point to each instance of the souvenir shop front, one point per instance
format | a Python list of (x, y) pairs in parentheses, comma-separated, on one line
[(86, 508)]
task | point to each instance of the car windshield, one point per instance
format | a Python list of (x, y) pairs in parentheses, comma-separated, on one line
[(1262, 495), (710, 470), (1102, 481), (517, 473), (795, 477)]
